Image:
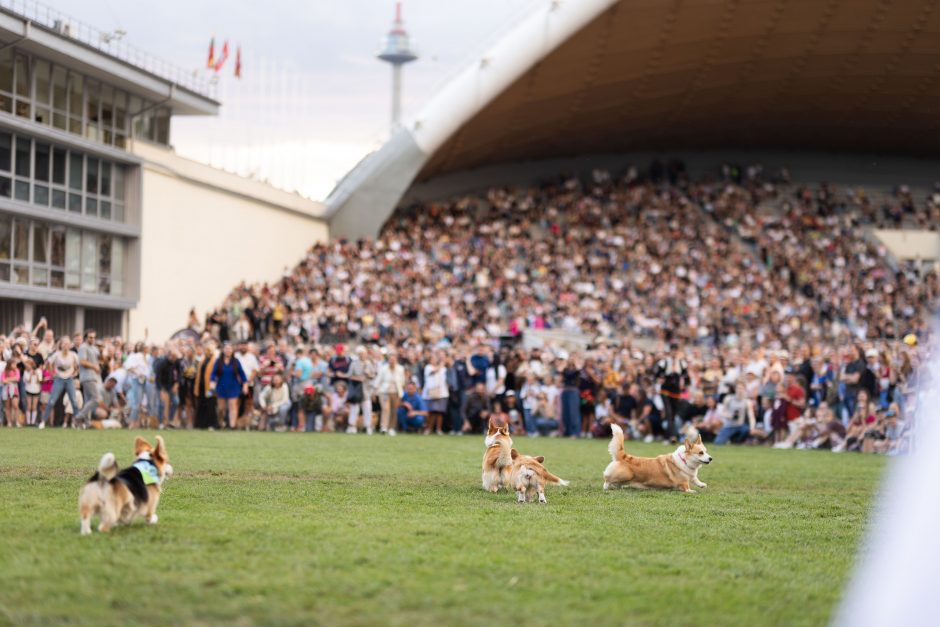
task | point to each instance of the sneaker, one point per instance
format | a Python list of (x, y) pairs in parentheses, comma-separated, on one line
[(648, 438), (160, 428), (439, 432), (351, 430), (369, 431), (391, 432), (42, 425)]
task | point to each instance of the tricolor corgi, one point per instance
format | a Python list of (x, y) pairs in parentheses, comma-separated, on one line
[(671, 471), (528, 477), (497, 460), (120, 496)]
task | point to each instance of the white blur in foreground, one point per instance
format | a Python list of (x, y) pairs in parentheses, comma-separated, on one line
[(895, 582)]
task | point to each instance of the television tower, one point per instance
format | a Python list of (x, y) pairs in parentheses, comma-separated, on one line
[(397, 50)]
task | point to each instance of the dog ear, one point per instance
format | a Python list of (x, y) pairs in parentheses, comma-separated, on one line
[(141, 445), (688, 444), (513, 453), (540, 459), (159, 453), (698, 439)]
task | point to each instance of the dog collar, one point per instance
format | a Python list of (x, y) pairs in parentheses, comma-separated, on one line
[(679, 456)]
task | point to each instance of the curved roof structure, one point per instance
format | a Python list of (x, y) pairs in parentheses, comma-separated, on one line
[(610, 76)]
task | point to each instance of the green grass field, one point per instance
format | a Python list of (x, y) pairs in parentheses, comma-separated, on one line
[(292, 529)]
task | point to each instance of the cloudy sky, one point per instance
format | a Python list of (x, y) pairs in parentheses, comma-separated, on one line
[(312, 100)]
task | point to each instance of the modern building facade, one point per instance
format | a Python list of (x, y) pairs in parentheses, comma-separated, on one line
[(86, 171)]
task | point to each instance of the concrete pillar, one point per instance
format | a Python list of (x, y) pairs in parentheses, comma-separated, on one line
[(79, 319), (29, 311)]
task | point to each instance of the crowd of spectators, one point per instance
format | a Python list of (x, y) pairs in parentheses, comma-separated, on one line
[(740, 308)]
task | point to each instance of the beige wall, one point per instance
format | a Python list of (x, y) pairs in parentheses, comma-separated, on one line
[(910, 244), (203, 231)]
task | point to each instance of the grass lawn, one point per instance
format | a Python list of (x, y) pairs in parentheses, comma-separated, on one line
[(294, 529)]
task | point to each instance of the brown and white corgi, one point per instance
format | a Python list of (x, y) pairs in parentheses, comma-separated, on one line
[(497, 459), (122, 495), (670, 471), (528, 477)]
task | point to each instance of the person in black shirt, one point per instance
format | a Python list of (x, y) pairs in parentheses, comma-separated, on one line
[(166, 375), (672, 373)]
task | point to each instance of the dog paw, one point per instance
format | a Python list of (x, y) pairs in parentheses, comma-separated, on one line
[(86, 532), (606, 486), (703, 485), (153, 519)]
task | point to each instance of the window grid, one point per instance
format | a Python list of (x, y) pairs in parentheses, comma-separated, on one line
[(40, 254), (52, 95), (48, 175)]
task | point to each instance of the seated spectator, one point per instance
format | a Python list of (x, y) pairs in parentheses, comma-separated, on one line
[(739, 417), (711, 422), (412, 410), (478, 409), (275, 404)]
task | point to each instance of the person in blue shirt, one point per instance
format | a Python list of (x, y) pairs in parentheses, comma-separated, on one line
[(479, 364), (413, 410)]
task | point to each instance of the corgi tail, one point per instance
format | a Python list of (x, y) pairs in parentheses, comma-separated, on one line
[(107, 467), (615, 448), (549, 477)]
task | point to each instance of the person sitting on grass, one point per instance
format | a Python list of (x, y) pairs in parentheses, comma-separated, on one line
[(412, 410), (310, 409), (275, 403), (712, 421), (335, 412), (739, 422)]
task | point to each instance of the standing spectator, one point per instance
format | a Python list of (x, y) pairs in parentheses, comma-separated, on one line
[(478, 409), (360, 375), (206, 415), (89, 374), (435, 392), (11, 393), (570, 399), (33, 376), (65, 366), (391, 387), (672, 373), (229, 382), (166, 373), (310, 407)]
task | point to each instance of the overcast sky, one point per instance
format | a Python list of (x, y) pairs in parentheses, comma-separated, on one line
[(312, 99)]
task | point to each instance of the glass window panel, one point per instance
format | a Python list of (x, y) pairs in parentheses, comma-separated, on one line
[(22, 108), (43, 115), (119, 182), (6, 237), (40, 277), (118, 212), (117, 266), (21, 240), (42, 158), (43, 75), (40, 243), (59, 88), (6, 149), (57, 247), (107, 106), (91, 176), (58, 166), (105, 190), (104, 264), (6, 186), (73, 250), (6, 103), (91, 206), (105, 208), (75, 94), (22, 156), (57, 279), (120, 141), (21, 275), (22, 76), (75, 125), (21, 190), (75, 203), (41, 195), (58, 198), (6, 70), (120, 108), (162, 126), (92, 101), (89, 261), (75, 171), (59, 120), (5, 272)]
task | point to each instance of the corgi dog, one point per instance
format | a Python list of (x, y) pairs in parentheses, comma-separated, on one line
[(670, 471), (122, 495), (528, 477), (497, 459)]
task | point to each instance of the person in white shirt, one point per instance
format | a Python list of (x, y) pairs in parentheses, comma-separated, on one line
[(435, 392), (137, 373), (529, 395), (390, 386)]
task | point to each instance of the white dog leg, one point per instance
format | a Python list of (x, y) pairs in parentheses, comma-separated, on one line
[(606, 485), (153, 519), (699, 484), (542, 497), (86, 526), (520, 496)]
